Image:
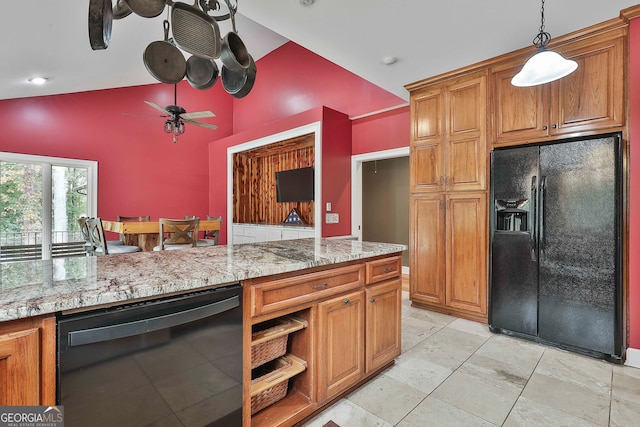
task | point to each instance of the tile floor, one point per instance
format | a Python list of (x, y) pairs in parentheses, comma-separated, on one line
[(454, 372)]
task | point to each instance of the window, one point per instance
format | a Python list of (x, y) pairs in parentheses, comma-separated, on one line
[(40, 201)]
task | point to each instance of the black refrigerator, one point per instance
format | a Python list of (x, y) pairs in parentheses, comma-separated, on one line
[(555, 273)]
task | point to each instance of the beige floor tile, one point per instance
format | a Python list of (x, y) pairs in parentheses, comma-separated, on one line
[(627, 370), (470, 327), (417, 372), (414, 331), (512, 351), (476, 397), (433, 412), (449, 347), (577, 369), (347, 414), (626, 387), (568, 397), (387, 398), (510, 377), (527, 413), (624, 413)]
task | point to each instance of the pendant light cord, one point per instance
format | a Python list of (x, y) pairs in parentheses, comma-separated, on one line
[(542, 39)]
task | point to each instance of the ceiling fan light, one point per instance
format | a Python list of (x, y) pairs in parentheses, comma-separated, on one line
[(181, 127), (544, 67), (168, 126)]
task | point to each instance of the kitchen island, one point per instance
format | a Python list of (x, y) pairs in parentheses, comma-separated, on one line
[(318, 281)]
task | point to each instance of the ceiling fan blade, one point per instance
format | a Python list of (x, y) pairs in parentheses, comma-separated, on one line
[(202, 124), (197, 115), (144, 115), (157, 107)]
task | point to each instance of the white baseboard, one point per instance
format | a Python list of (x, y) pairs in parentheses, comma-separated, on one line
[(633, 357)]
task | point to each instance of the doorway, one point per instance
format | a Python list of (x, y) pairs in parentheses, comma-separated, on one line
[(380, 198)]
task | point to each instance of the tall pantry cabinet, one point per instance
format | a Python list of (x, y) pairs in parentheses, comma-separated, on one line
[(448, 183)]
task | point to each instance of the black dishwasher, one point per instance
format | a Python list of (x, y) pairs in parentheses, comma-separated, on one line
[(175, 361)]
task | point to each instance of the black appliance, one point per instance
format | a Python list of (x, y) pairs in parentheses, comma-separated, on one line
[(555, 244), (295, 185), (171, 361)]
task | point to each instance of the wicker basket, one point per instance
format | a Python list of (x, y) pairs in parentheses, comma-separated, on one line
[(271, 342), (271, 387)]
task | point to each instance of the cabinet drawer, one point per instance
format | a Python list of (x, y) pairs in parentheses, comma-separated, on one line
[(278, 294), (383, 269)]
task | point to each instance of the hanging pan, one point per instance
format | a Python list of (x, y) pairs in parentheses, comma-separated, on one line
[(233, 53), (194, 31), (164, 61), (202, 73), (121, 10), (100, 19), (239, 83), (147, 8)]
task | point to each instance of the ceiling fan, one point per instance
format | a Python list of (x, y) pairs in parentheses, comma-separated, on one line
[(176, 117)]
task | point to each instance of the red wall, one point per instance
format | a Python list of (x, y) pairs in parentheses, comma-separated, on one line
[(140, 170), (384, 131), (634, 187)]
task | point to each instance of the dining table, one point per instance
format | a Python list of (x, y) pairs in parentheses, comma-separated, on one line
[(145, 234)]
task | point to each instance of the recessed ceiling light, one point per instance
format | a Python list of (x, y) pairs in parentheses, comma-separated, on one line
[(38, 80), (389, 60)]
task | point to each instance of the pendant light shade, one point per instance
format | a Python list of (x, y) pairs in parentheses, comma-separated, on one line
[(544, 67)]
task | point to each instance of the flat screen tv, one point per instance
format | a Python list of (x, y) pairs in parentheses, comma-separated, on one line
[(295, 185)]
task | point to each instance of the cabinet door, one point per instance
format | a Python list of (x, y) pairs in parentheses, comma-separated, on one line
[(20, 368), (426, 249), (466, 259), (383, 313), (466, 147), (340, 343), (592, 97), (519, 113), (427, 137)]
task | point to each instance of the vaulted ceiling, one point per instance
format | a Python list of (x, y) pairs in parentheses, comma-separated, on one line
[(50, 38)]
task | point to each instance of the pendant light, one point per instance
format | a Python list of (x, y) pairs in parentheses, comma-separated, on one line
[(545, 66)]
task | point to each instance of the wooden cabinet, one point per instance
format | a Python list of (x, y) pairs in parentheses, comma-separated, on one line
[(27, 362), (449, 256), (383, 305), (448, 136), (448, 178), (590, 99), (353, 313), (341, 338)]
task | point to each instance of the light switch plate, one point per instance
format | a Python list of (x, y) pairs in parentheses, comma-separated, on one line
[(331, 218), (328, 206)]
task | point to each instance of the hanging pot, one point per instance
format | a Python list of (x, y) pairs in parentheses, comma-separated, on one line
[(121, 10), (202, 73), (100, 19), (164, 61), (233, 53), (194, 31), (239, 83), (147, 8)]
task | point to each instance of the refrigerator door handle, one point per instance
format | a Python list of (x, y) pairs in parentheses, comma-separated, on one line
[(543, 183), (532, 217)]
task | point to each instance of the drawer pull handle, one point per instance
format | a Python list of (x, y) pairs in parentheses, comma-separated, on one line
[(372, 300), (346, 301), (324, 285), (388, 269)]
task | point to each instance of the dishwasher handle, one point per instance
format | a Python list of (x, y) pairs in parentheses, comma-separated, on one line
[(138, 327)]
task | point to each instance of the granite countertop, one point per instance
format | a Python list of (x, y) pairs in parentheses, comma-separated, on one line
[(32, 288)]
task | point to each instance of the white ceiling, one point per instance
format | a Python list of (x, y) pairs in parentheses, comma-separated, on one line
[(50, 38)]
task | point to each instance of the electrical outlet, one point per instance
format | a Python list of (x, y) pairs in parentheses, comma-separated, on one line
[(328, 206), (331, 218)]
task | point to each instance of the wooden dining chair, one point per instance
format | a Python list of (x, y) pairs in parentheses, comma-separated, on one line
[(212, 235), (177, 233), (84, 228), (100, 244)]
